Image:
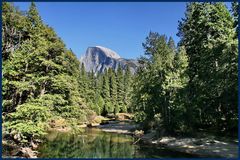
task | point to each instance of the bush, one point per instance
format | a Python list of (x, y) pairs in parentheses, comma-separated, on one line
[(140, 116), (27, 122), (124, 109)]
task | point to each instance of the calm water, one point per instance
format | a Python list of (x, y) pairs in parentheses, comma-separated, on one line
[(94, 143)]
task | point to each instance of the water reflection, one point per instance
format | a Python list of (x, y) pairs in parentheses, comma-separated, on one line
[(94, 143)]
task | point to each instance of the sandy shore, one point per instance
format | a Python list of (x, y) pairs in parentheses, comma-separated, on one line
[(203, 147), (125, 127)]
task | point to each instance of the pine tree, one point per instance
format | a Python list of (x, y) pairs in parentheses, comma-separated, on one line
[(207, 32), (113, 89), (120, 88), (40, 77), (14, 25), (171, 44), (235, 11), (99, 101), (179, 81), (127, 89), (83, 81), (155, 81), (106, 94), (92, 86)]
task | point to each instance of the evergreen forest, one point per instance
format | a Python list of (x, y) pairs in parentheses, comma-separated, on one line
[(179, 89)]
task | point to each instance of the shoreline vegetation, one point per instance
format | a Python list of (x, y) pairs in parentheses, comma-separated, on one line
[(202, 146), (178, 92), (209, 146)]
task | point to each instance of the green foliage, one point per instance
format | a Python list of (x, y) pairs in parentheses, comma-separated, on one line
[(120, 87), (235, 11), (212, 88), (140, 116), (31, 112), (128, 80), (105, 88), (28, 121), (195, 85), (109, 107), (95, 108), (99, 102), (158, 79), (111, 91), (12, 38), (42, 79), (179, 88)]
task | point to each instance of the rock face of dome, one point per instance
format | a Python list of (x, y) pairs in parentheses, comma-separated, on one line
[(99, 58)]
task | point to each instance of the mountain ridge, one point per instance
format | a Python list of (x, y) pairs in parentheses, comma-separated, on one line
[(98, 59)]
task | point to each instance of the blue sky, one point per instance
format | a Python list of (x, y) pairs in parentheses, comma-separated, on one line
[(121, 27)]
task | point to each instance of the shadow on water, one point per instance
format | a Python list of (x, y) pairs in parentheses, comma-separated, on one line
[(94, 143)]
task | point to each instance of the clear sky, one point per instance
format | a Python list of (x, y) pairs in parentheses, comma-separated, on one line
[(121, 27)]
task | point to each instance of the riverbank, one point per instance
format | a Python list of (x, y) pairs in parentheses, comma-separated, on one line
[(202, 147), (12, 150), (124, 127)]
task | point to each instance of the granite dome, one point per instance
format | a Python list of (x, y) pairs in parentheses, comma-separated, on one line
[(99, 58)]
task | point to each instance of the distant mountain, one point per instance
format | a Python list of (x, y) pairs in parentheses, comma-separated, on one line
[(100, 58)]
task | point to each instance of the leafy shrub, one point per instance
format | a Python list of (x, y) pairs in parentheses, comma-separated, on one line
[(27, 122)]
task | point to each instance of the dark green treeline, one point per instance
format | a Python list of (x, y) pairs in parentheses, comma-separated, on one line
[(44, 81), (195, 86), (40, 77), (109, 92), (177, 89)]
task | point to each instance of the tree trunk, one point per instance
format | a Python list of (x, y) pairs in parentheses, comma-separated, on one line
[(43, 88), (42, 92)]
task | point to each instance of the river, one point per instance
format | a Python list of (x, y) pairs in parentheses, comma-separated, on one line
[(95, 143)]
